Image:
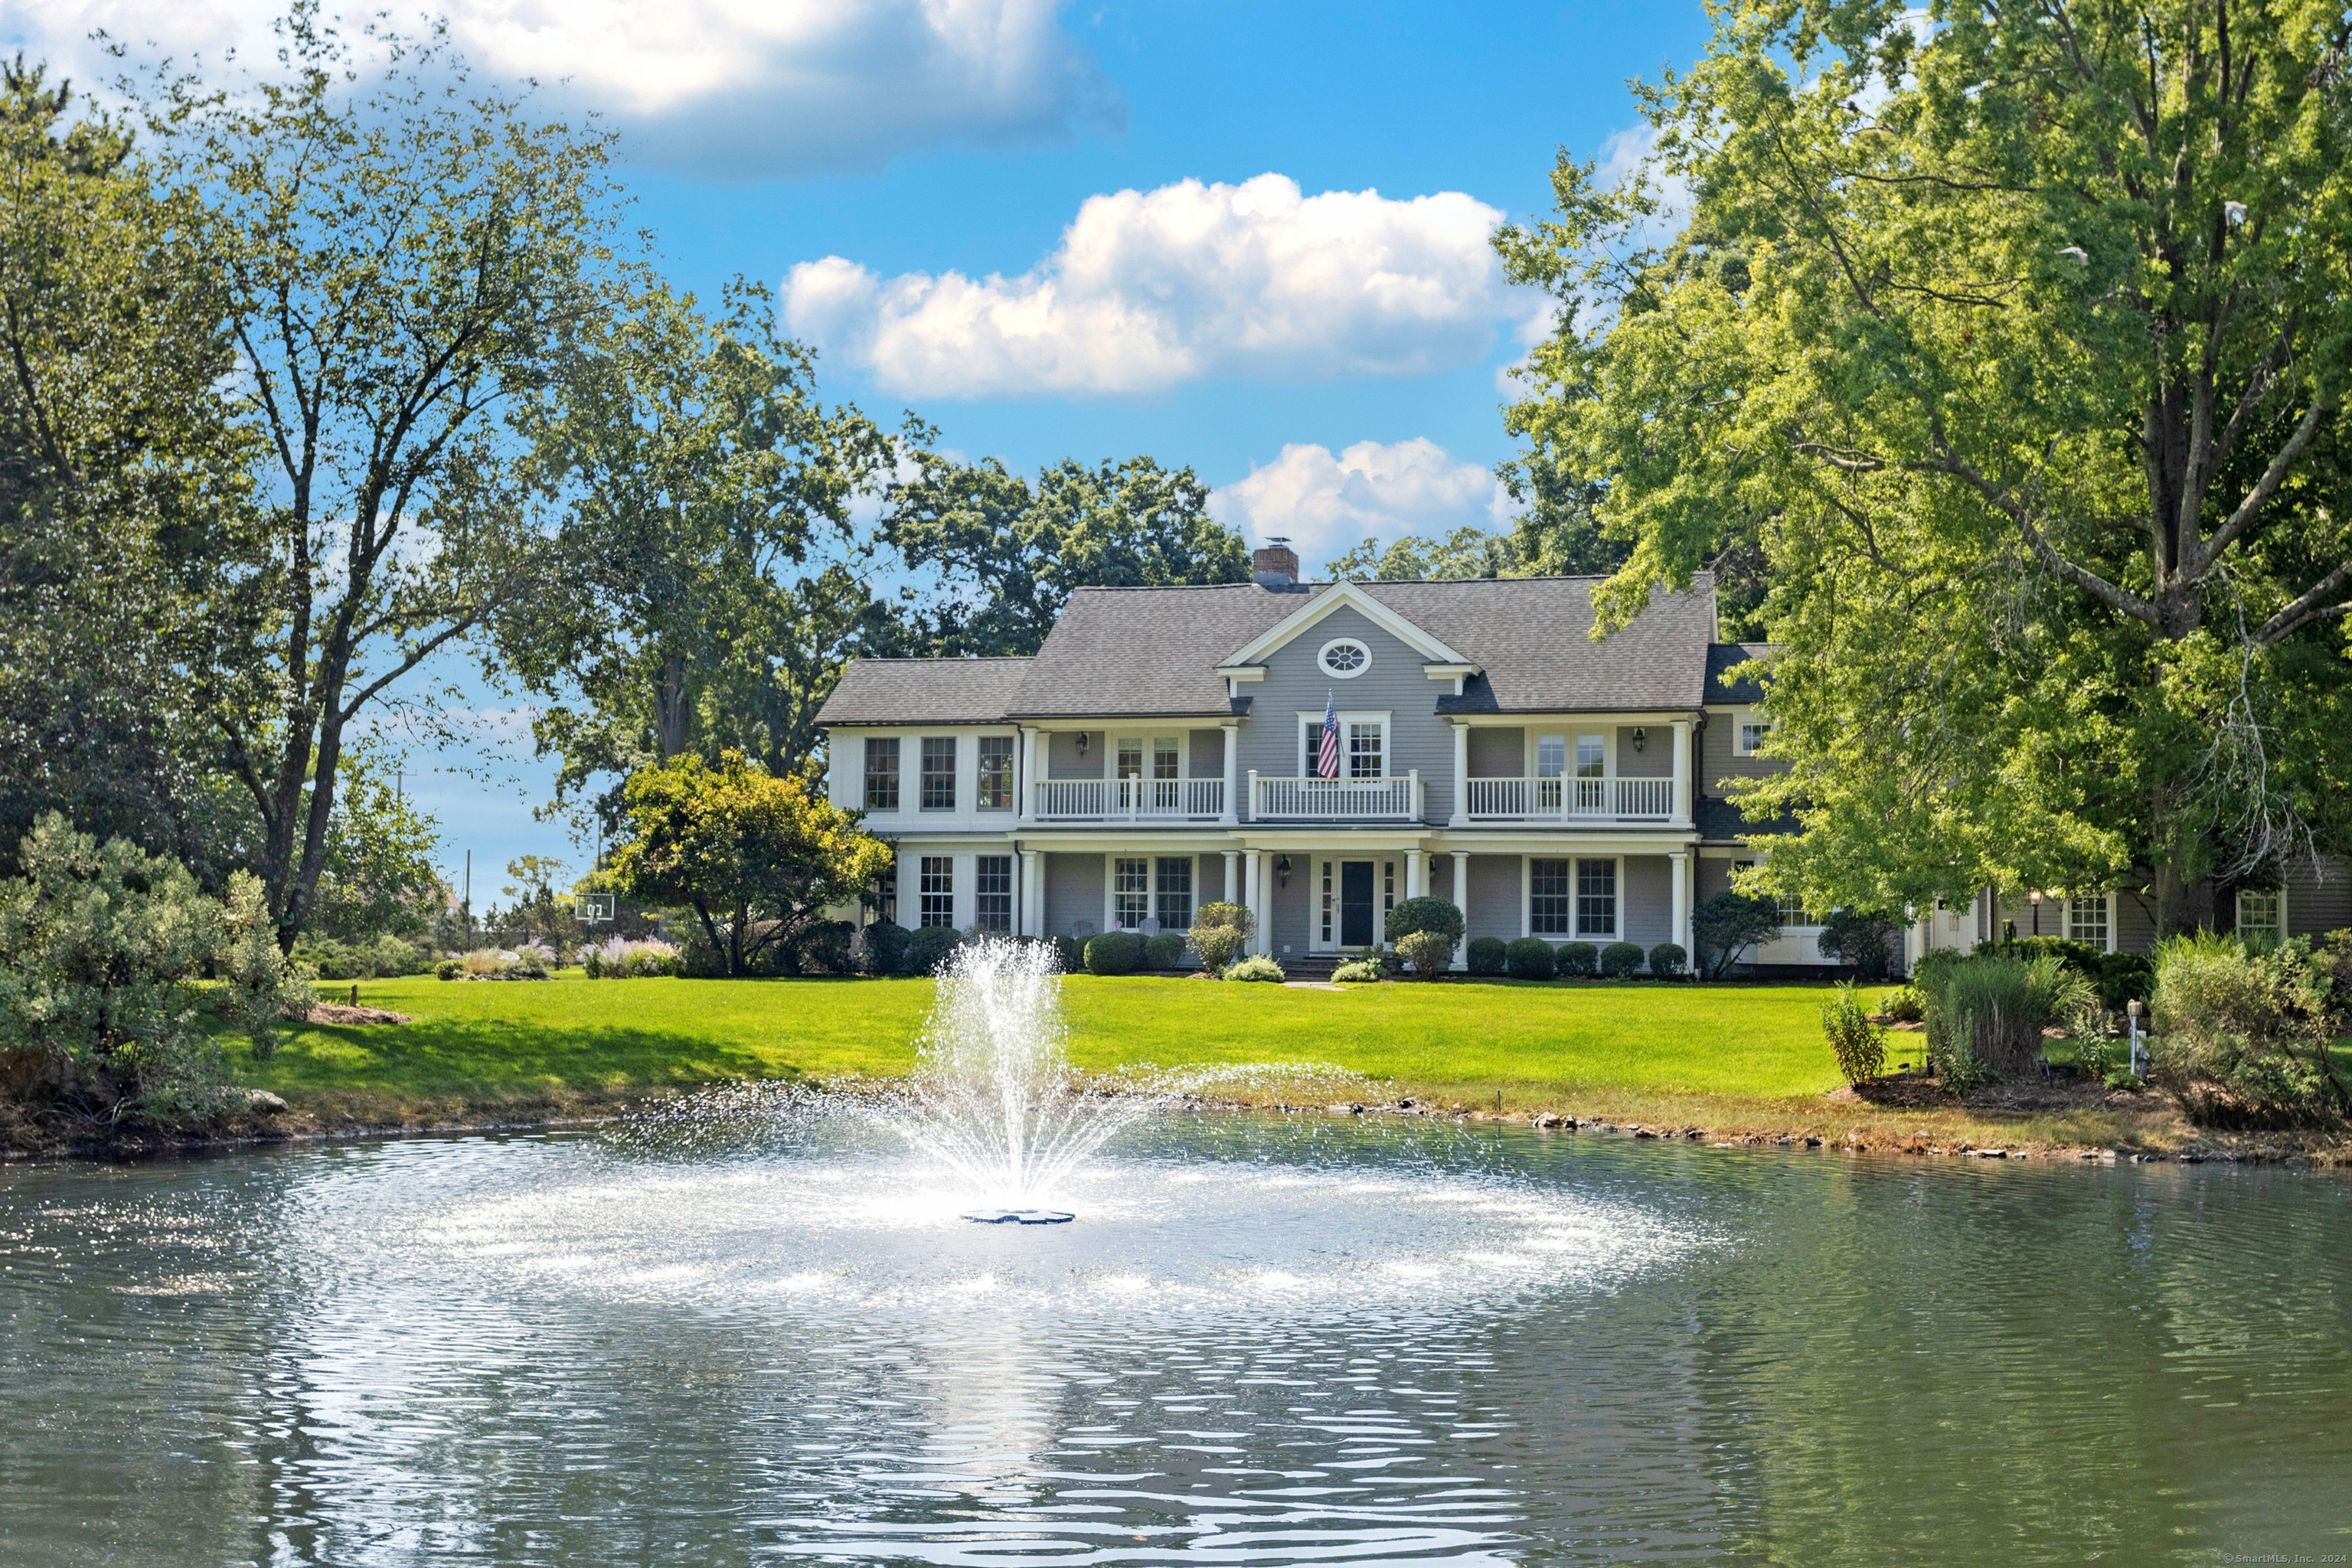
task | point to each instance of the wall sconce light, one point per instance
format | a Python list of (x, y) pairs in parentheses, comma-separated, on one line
[(1282, 870), (1082, 743), (1641, 738)]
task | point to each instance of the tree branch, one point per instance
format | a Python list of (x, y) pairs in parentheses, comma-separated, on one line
[(2306, 429), (2311, 606), (2116, 599)]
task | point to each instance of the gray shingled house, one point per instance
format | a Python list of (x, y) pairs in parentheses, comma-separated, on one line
[(1161, 750)]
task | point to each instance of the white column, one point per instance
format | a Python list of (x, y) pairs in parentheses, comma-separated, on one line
[(1108, 868), (1233, 735), (1416, 874), (1254, 895), (1461, 902), (1682, 774), (1461, 773), (1027, 802), (1679, 863), (1253, 793), (1032, 893), (1233, 893)]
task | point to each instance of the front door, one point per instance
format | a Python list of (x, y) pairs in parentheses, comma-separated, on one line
[(1356, 903)]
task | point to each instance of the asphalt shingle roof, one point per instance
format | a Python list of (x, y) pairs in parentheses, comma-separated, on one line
[(924, 692), (1724, 657)]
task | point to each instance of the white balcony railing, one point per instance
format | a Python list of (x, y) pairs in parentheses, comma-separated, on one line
[(1131, 800), (1336, 800), (1569, 800)]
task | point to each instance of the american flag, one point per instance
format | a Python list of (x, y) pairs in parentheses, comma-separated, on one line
[(1327, 756)]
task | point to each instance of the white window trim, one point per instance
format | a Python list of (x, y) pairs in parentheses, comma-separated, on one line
[(2238, 907), (1528, 897), (1567, 734), (2066, 915), (1740, 719), (1323, 652), (1145, 738), (1381, 905), (1346, 716)]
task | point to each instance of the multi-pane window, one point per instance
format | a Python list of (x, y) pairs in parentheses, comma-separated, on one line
[(2262, 916), (935, 891), (1549, 903), (1596, 898), (881, 772), (1591, 756), (1364, 748), (1552, 756), (1791, 908), (991, 892), (1131, 891), (939, 773), (1330, 868), (1167, 758), (2087, 920), (1131, 759), (1175, 892), (1388, 887), (996, 773), (1748, 734), (885, 897)]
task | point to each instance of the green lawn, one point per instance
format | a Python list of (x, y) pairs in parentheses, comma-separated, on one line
[(606, 1037)]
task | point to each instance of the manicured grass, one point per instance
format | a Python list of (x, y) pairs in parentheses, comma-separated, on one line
[(615, 1035)]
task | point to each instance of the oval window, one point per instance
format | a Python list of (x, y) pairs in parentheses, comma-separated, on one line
[(1346, 658)]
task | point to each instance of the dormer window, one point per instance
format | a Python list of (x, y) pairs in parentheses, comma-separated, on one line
[(1344, 658)]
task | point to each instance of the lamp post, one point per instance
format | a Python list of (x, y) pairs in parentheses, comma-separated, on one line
[(2034, 898)]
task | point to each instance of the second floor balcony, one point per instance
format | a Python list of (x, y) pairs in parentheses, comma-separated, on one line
[(1583, 798), (1384, 799), (1129, 800)]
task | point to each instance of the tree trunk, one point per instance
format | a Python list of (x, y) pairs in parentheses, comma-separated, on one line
[(735, 941), (670, 708)]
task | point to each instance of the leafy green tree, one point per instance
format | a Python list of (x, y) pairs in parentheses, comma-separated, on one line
[(2016, 340), (402, 250), (1725, 926), (1007, 553), (380, 877), (698, 468), (1467, 552), (766, 855)]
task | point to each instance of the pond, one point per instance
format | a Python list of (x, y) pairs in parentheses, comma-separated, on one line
[(1264, 1340)]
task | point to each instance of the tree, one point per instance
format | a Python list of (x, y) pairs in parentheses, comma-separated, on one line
[(379, 878), (2016, 340), (1008, 555), (123, 487), (730, 842), (1467, 552), (697, 466), (1725, 926), (402, 251)]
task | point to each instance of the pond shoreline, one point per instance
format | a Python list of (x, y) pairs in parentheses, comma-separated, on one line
[(2163, 1137)]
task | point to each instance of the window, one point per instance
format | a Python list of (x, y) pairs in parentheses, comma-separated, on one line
[(1131, 891), (1748, 731), (1167, 758), (881, 772), (1330, 903), (1792, 910), (936, 890), (1591, 756), (1596, 898), (1388, 888), (1344, 659), (1364, 748), (1131, 759), (1175, 892), (1547, 897), (991, 892), (2087, 920), (996, 773), (939, 773), (1552, 756), (2262, 916), (885, 897)]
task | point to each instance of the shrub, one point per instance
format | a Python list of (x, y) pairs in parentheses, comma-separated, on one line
[(1165, 950), (2241, 1035), (1725, 927), (1360, 971), (1530, 958), (1859, 1044), (618, 958), (1257, 966), (1863, 940), (1423, 913), (448, 968), (1578, 960), (1071, 952), (1429, 952), (383, 958), (885, 948), (1488, 955), (1219, 932), (1114, 952), (1619, 960), (1985, 1015), (1904, 1004), (1666, 960), (927, 947), (2123, 977), (701, 960)]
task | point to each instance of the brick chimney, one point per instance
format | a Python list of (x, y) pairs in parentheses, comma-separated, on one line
[(1275, 565)]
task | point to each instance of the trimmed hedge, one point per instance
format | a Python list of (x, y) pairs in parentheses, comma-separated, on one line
[(1165, 950), (1530, 958), (1666, 960), (1072, 952), (927, 947), (1579, 960), (1423, 914), (1619, 960), (1114, 952), (1488, 955), (885, 948)]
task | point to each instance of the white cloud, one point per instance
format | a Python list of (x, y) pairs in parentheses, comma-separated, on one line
[(1325, 504), (1151, 288), (738, 87)]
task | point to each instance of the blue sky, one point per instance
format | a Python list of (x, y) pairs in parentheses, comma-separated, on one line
[(909, 172)]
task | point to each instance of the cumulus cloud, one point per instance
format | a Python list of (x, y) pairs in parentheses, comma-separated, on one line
[(1324, 504), (1151, 288), (736, 87)]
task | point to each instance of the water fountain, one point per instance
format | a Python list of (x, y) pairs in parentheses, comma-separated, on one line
[(992, 1096)]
